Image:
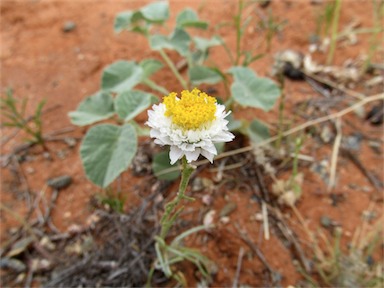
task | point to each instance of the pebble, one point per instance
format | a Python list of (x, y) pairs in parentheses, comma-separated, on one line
[(60, 182), (69, 26), (13, 264), (325, 221)]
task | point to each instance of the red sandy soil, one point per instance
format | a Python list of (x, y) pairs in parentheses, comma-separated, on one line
[(40, 61)]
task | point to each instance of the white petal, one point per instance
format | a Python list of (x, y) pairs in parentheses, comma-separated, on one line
[(192, 155), (175, 154), (207, 155)]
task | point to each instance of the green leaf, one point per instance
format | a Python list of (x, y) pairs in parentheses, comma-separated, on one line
[(107, 150), (156, 12), (160, 164), (121, 76), (127, 20), (201, 74), (203, 44), (189, 18), (150, 66), (93, 109), (129, 104), (250, 90), (258, 131), (179, 40), (140, 20)]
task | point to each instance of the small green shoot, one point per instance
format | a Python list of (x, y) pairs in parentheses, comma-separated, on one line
[(15, 117), (114, 201)]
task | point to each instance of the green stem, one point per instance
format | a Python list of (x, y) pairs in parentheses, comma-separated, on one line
[(155, 87), (238, 32), (335, 24), (173, 69), (281, 113), (171, 213)]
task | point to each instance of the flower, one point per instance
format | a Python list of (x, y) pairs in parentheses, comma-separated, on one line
[(190, 124)]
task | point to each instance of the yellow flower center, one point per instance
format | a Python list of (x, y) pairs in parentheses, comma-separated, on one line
[(192, 110)]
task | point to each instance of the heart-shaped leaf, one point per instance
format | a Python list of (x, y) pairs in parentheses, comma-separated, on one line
[(107, 150), (150, 66), (202, 74), (93, 109), (121, 76), (250, 90), (156, 12), (140, 20), (179, 40), (189, 18), (203, 44), (131, 103)]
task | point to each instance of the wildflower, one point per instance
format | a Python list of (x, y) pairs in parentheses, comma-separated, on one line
[(190, 124)]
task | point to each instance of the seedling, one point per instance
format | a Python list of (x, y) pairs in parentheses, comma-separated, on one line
[(14, 112)]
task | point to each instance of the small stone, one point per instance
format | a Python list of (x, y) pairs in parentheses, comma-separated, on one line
[(207, 200), (209, 217), (69, 26), (71, 142), (60, 182), (13, 264), (30, 170), (197, 184), (353, 142), (325, 221), (225, 220), (259, 217)]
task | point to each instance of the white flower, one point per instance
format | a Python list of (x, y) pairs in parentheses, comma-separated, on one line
[(190, 125)]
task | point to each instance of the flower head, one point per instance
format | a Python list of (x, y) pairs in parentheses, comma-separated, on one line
[(190, 124)]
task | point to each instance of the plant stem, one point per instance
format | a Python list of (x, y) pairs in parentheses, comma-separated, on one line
[(171, 212), (173, 68), (238, 32), (281, 113), (335, 24), (155, 87)]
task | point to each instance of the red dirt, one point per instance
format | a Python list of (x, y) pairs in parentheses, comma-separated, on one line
[(40, 61)]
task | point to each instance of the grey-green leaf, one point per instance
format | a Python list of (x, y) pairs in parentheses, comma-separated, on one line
[(258, 131), (203, 44), (93, 109), (129, 104), (121, 76), (107, 150), (179, 40), (250, 90), (123, 21), (161, 164), (150, 66), (156, 12), (132, 21), (202, 74), (189, 18)]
